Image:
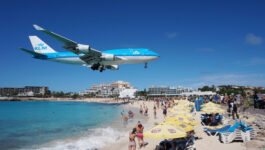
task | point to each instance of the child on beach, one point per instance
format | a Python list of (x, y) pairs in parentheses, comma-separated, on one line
[(132, 143)]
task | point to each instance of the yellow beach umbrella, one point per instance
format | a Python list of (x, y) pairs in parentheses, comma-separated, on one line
[(210, 104), (184, 126), (184, 115), (181, 109), (165, 131), (212, 110), (183, 119)]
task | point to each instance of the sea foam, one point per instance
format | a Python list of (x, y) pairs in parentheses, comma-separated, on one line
[(96, 139)]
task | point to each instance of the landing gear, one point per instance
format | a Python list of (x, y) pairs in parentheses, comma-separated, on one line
[(102, 68), (95, 66), (145, 65)]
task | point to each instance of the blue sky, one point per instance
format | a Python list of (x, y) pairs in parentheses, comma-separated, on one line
[(200, 42)]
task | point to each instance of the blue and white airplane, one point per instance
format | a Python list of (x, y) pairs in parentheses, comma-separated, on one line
[(85, 55)]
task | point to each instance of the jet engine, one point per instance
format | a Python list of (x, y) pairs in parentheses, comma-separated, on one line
[(83, 48), (108, 57), (113, 67)]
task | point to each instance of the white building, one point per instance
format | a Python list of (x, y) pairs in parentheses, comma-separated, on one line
[(128, 93), (167, 91), (107, 90)]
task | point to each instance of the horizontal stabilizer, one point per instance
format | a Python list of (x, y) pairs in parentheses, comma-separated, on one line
[(33, 53)]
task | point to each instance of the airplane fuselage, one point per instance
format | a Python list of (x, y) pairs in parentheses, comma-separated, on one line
[(125, 56)]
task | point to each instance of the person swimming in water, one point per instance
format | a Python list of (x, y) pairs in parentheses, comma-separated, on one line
[(132, 143), (140, 136)]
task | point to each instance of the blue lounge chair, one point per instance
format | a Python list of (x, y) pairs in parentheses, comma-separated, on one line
[(238, 132), (216, 131)]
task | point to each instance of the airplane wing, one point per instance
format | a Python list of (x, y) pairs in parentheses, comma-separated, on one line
[(69, 44), (58, 37)]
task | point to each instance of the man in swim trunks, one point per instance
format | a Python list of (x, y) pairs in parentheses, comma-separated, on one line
[(132, 143), (140, 130)]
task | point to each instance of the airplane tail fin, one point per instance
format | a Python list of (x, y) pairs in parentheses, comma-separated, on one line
[(39, 46)]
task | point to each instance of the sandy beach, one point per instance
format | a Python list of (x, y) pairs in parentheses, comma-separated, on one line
[(204, 142)]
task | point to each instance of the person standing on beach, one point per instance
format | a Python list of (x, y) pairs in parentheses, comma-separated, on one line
[(255, 99), (155, 111), (132, 143), (229, 106), (234, 109), (140, 130), (165, 111)]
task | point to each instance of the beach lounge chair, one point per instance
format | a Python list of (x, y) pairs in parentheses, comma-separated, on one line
[(238, 132), (216, 131), (190, 144)]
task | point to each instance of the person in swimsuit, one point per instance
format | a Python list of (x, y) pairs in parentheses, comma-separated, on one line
[(165, 111), (132, 143), (155, 111), (125, 121), (140, 130)]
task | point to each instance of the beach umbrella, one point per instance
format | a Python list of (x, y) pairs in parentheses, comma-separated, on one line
[(211, 110), (210, 104), (165, 131), (174, 115), (180, 109), (186, 127), (182, 119)]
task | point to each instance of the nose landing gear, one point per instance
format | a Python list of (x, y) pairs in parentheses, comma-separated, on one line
[(145, 65)]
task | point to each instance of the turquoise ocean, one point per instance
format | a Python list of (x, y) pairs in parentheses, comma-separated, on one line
[(58, 125)]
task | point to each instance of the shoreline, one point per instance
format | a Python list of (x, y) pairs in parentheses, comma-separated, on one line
[(90, 100)]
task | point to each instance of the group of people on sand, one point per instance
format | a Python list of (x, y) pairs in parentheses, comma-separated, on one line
[(125, 118), (232, 108), (143, 110), (136, 132)]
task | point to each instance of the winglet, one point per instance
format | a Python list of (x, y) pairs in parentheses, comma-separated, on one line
[(38, 27)]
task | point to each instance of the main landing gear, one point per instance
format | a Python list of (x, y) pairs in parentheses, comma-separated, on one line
[(98, 67), (145, 65)]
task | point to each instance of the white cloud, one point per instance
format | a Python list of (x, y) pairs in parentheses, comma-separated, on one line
[(253, 39), (171, 35)]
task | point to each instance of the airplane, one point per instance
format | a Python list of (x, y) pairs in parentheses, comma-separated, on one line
[(81, 54)]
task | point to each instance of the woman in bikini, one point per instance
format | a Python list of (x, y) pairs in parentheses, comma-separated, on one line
[(132, 143), (140, 130)]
